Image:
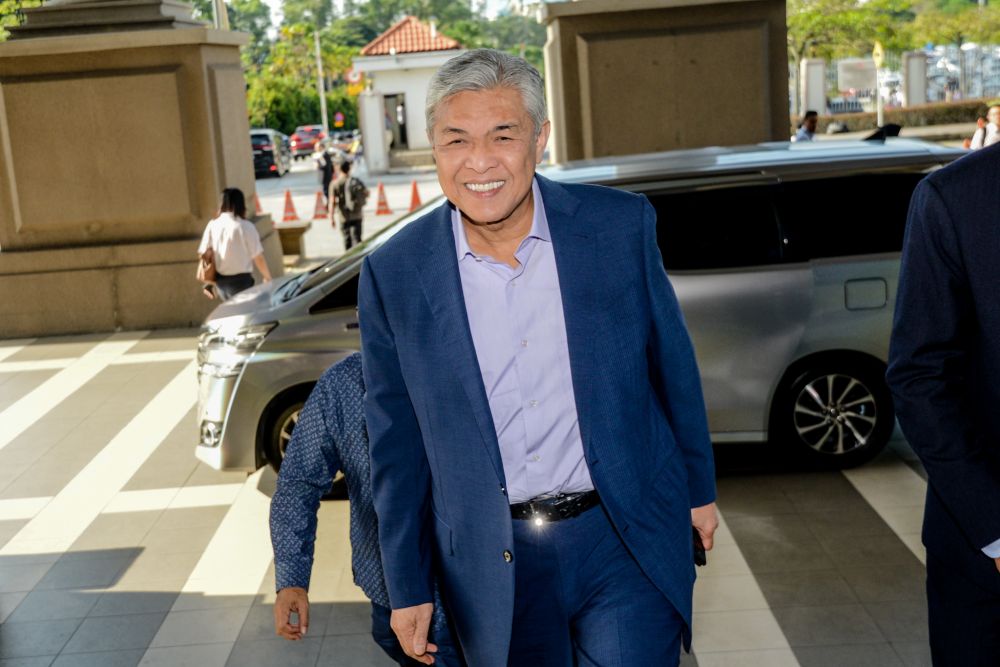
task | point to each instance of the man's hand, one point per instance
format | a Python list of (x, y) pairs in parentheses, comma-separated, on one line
[(411, 625), (291, 600), (706, 520)]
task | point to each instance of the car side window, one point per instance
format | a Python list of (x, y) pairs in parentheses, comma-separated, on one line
[(345, 296), (717, 229), (852, 215)]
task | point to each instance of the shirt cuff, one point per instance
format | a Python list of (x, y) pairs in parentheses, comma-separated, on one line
[(992, 550)]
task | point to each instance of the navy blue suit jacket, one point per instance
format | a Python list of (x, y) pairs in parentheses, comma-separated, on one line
[(944, 358), (437, 475)]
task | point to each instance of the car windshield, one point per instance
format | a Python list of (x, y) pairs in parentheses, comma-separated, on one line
[(322, 273), (307, 130), (259, 139)]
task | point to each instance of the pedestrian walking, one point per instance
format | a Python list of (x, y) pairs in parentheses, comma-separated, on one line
[(235, 246), (330, 436), (347, 197), (807, 128), (987, 133)]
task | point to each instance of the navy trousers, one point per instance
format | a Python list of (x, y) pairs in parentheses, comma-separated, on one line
[(229, 286), (963, 605), (581, 600)]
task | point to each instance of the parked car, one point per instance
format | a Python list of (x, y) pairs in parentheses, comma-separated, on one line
[(272, 154), (305, 140), (785, 259)]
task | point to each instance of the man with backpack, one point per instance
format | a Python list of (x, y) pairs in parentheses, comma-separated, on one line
[(347, 196)]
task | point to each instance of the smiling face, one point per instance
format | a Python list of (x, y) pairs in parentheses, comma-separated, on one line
[(486, 151)]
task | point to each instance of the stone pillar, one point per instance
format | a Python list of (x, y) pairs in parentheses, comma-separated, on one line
[(812, 73), (638, 76), (914, 78), (114, 148), (371, 117)]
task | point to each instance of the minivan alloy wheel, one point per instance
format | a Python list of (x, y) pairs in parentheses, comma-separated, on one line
[(835, 414)]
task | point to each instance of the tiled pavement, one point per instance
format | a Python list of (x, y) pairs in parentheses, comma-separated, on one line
[(118, 548)]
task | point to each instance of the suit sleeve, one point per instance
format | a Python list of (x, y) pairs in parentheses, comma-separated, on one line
[(306, 474), (674, 370), (400, 474), (934, 325)]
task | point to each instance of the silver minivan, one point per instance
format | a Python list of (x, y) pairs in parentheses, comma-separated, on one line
[(785, 259)]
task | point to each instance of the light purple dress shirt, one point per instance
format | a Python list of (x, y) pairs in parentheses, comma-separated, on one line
[(519, 332)]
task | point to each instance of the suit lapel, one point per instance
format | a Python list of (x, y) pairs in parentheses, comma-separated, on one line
[(442, 287), (576, 256)]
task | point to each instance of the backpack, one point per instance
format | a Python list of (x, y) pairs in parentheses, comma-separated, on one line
[(359, 197)]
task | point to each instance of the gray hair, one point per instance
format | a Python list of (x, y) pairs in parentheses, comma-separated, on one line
[(484, 69)]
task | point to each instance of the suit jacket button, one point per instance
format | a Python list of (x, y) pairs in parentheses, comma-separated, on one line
[(508, 556)]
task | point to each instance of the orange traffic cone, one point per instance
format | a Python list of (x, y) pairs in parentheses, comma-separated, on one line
[(290, 214), (415, 202), (383, 203), (256, 204), (320, 213)]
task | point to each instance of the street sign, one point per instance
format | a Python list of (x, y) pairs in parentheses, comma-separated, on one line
[(878, 55)]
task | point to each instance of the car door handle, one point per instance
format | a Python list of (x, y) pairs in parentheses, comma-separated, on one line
[(350, 326)]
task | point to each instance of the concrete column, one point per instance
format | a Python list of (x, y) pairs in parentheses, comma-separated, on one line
[(371, 116), (914, 78), (812, 74), (114, 148)]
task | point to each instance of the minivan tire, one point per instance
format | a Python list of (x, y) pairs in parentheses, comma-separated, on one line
[(278, 433), (835, 413)]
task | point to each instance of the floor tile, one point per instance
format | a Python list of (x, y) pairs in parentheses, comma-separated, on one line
[(204, 655), (887, 583), (900, 621), (724, 560), (277, 652), (864, 551), (867, 655), (52, 605), (36, 661), (115, 633), (778, 657), (200, 627), (840, 525), (773, 528), (729, 593), (115, 603), (914, 654), (354, 650), (786, 557), (805, 589), (19, 640), (347, 618), (9, 602), (827, 626), (104, 659), (174, 540), (20, 577), (89, 573), (737, 631)]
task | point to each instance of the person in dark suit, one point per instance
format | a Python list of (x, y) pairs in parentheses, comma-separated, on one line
[(536, 416), (944, 373), (330, 436)]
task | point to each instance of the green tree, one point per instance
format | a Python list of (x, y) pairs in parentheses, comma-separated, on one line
[(10, 14), (971, 24), (316, 12)]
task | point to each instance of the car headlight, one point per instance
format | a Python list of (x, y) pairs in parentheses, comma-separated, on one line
[(224, 349)]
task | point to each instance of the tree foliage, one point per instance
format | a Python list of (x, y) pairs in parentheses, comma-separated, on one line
[(10, 14)]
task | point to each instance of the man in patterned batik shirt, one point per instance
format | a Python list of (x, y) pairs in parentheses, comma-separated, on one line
[(330, 436)]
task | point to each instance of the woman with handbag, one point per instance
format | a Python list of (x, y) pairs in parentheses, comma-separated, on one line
[(230, 247)]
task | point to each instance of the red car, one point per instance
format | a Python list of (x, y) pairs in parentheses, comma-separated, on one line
[(305, 140)]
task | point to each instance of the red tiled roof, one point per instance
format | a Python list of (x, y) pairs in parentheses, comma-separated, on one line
[(409, 35)]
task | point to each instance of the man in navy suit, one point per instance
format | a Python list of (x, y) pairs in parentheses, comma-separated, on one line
[(944, 369), (535, 412)]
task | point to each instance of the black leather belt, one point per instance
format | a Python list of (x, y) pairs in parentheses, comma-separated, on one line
[(555, 508)]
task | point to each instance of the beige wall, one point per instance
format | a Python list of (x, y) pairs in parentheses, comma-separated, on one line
[(654, 75), (113, 151)]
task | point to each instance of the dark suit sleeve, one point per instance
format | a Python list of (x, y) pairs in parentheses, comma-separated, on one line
[(675, 372), (933, 330), (400, 474), (306, 474)]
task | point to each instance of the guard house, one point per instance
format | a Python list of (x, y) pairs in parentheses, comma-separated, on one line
[(399, 64)]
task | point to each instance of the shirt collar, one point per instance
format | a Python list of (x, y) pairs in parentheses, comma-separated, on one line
[(539, 224)]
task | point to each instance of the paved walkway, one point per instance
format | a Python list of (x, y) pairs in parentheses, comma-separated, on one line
[(118, 548)]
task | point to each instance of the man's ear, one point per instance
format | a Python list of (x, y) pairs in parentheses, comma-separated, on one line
[(542, 140)]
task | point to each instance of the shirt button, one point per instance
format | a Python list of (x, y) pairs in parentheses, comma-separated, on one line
[(508, 556), (533, 404), (513, 283), (536, 457), (524, 343)]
